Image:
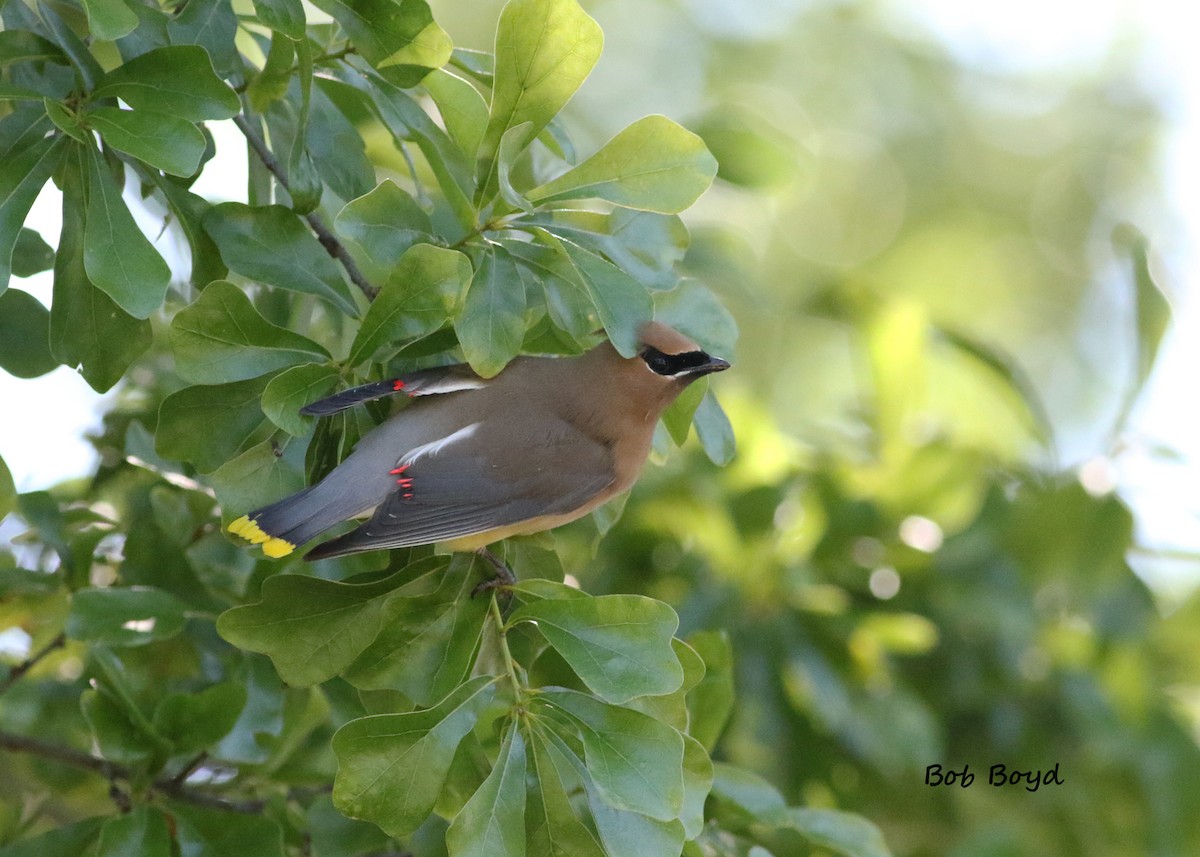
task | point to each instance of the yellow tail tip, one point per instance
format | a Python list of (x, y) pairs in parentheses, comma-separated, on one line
[(276, 547), (272, 546)]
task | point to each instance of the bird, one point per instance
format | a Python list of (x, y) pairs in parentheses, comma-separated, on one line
[(471, 461)]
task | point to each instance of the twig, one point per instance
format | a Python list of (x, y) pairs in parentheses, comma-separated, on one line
[(328, 240), (112, 771), (20, 669)]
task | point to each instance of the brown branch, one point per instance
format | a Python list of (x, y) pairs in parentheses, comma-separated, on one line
[(112, 771), (25, 666), (328, 240)]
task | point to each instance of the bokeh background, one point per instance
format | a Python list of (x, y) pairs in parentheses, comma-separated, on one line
[(961, 527)]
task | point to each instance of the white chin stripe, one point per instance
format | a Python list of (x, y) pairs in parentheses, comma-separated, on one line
[(432, 448)]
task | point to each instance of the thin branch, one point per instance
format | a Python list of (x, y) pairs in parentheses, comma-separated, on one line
[(328, 240), (113, 771), (323, 58), (25, 666)]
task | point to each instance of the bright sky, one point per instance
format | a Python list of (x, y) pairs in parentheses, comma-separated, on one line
[(41, 440)]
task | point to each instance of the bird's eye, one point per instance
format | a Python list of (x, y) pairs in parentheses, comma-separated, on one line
[(657, 361)]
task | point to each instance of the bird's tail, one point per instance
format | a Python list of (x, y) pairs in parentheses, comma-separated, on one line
[(294, 520)]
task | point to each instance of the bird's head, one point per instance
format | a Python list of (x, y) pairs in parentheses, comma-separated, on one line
[(674, 358)]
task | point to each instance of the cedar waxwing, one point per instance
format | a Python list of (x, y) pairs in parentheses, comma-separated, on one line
[(473, 461)]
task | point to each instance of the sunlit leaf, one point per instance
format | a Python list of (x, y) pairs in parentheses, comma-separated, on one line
[(840, 832), (283, 16), (418, 298), (163, 141), (463, 110), (109, 19), (544, 51), (653, 165)]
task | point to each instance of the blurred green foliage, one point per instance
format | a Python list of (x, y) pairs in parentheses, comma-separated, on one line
[(936, 328)]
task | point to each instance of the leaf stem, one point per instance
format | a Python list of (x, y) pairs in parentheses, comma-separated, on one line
[(328, 240), (29, 663), (502, 635)]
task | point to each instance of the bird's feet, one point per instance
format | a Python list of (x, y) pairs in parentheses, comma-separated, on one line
[(504, 576)]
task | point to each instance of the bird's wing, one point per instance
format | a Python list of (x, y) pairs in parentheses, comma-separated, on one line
[(453, 488), (424, 382)]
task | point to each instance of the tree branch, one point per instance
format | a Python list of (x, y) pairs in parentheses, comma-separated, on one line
[(111, 770), (25, 666), (328, 240)]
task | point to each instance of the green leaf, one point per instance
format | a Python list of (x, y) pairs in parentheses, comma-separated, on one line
[(418, 298), (270, 244), (463, 110), (282, 16), (212, 25), (491, 326), (672, 708), (710, 703), (694, 310), (645, 245), (337, 149), (117, 257), (8, 490), (552, 827), (109, 19), (621, 302), (492, 824), (619, 645), (312, 629), (391, 767), (714, 430), (142, 831), (384, 224), (24, 335), (31, 255), (188, 210), (271, 83), (209, 425), (697, 782), (126, 616), (626, 832), (260, 475), (85, 64), (65, 120), (70, 840), (195, 721), (21, 45), (406, 120), (88, 330), (118, 732), (678, 415), (22, 175), (222, 337), (635, 761), (428, 642), (219, 833), (390, 34), (165, 142), (294, 388), (178, 80), (652, 165), (512, 144), (544, 50), (841, 832)]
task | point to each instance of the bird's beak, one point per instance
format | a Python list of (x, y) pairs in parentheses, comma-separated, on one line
[(714, 364)]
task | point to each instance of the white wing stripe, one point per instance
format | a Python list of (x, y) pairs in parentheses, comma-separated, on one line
[(434, 447)]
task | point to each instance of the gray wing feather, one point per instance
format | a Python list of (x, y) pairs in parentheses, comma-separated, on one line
[(461, 491)]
